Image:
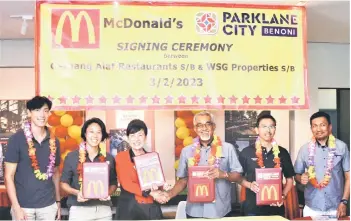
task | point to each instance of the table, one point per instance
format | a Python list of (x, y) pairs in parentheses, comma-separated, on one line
[(310, 218), (274, 218)]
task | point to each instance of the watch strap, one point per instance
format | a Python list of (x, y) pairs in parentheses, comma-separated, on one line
[(344, 201)]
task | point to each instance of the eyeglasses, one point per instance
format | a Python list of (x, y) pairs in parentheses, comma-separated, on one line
[(272, 127), (202, 126)]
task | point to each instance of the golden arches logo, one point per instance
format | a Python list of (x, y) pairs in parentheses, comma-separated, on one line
[(97, 187), (75, 26), (269, 193), (202, 189), (149, 175)]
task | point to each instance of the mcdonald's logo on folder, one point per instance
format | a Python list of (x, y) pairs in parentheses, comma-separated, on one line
[(76, 28), (269, 191), (96, 186), (201, 190), (150, 175)]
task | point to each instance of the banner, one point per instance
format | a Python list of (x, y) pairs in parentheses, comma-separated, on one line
[(140, 55)]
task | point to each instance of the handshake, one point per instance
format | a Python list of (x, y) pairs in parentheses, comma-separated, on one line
[(161, 196)]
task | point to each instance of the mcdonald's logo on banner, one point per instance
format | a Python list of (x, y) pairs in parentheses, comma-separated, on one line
[(97, 187), (150, 175), (202, 189), (75, 28), (269, 193)]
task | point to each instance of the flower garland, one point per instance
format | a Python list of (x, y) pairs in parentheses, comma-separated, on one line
[(311, 163), (275, 153), (82, 159), (213, 158), (31, 152)]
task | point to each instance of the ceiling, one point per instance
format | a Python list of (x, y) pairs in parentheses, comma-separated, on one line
[(327, 21)]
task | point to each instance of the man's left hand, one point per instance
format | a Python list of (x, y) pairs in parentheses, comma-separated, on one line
[(215, 173), (341, 211), (58, 214)]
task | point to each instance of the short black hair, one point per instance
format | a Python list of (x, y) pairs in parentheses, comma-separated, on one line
[(91, 121), (135, 126), (320, 114), (265, 116), (38, 102)]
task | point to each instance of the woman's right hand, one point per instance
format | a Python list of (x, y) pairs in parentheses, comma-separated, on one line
[(80, 197)]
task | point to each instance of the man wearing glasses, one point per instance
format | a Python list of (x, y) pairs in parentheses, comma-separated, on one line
[(265, 153), (225, 168)]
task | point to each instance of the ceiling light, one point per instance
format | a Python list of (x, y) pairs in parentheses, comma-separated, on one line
[(24, 27), (24, 18)]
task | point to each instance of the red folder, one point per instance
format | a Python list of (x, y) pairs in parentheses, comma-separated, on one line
[(200, 188), (270, 183)]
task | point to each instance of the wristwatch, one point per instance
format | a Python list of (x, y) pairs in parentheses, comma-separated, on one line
[(344, 201)]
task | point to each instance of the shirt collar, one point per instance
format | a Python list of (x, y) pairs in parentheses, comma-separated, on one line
[(265, 148), (132, 155), (209, 144), (47, 136), (98, 154), (47, 133), (326, 143)]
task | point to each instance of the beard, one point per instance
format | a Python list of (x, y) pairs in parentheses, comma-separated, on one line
[(205, 136)]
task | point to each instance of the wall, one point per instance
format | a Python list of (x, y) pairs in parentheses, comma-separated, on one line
[(16, 83), (328, 66), (327, 99), (17, 53)]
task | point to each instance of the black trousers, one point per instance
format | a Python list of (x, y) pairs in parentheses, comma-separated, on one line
[(130, 209), (192, 217), (5, 213), (263, 210)]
